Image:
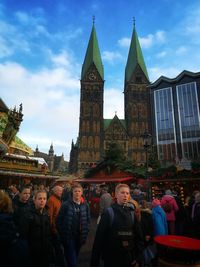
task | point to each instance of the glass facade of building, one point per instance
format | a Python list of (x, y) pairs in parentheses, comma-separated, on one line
[(165, 126), (188, 113), (177, 122)]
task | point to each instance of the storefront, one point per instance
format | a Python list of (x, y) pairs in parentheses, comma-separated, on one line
[(182, 186)]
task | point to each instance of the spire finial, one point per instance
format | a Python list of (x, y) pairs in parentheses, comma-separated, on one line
[(115, 113), (134, 20), (93, 19)]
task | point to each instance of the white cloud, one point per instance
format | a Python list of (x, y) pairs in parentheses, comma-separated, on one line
[(13, 39), (49, 93), (111, 56), (192, 21), (161, 54), (160, 36), (124, 42), (22, 17), (156, 72), (35, 17), (152, 39), (181, 50), (114, 102), (147, 41), (5, 50), (61, 59), (49, 98), (30, 33), (6, 28)]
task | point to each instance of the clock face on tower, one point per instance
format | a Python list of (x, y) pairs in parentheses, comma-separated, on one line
[(92, 76)]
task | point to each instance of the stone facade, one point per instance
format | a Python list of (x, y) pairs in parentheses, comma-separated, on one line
[(95, 132)]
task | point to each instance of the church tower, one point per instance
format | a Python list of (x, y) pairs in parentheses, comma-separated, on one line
[(50, 159), (136, 100), (90, 141)]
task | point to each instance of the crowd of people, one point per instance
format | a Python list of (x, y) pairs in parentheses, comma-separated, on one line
[(47, 227), (38, 229)]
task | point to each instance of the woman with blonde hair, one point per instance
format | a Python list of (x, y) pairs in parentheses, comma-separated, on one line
[(5, 202), (13, 252)]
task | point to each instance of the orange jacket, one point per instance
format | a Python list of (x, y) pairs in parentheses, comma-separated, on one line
[(53, 205)]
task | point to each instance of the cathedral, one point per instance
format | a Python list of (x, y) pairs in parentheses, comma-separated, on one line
[(95, 132)]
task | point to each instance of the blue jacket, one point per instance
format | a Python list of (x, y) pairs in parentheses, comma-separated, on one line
[(66, 221), (159, 221)]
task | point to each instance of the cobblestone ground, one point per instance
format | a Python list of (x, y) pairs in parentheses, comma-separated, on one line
[(85, 253)]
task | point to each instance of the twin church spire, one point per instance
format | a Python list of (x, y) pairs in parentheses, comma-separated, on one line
[(95, 132), (93, 55), (135, 56)]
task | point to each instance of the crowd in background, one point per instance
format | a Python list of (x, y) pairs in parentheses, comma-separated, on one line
[(42, 226)]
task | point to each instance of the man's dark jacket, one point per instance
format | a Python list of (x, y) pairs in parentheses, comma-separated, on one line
[(65, 222), (107, 244)]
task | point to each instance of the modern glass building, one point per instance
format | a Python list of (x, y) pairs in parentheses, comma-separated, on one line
[(176, 118)]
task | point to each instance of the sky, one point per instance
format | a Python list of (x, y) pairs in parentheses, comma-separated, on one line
[(43, 45)]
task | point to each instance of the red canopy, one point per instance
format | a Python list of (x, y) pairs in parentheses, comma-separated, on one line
[(105, 179)]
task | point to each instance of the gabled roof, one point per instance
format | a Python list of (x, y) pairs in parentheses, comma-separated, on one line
[(93, 55), (176, 79), (135, 57), (107, 122)]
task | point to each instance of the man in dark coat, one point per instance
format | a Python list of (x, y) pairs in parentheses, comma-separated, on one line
[(118, 240), (36, 230), (21, 205), (73, 225), (180, 215), (196, 216)]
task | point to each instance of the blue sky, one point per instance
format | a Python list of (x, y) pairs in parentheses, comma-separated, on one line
[(43, 44)]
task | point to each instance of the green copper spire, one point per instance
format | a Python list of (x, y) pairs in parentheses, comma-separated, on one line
[(135, 57), (93, 55)]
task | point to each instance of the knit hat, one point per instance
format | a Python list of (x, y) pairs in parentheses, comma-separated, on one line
[(155, 202)]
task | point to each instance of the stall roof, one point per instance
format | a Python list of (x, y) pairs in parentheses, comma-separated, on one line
[(27, 175), (105, 180)]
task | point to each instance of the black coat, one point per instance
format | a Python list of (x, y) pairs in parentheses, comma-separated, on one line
[(181, 212), (147, 225), (13, 250), (20, 210), (108, 245), (196, 221), (36, 230)]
